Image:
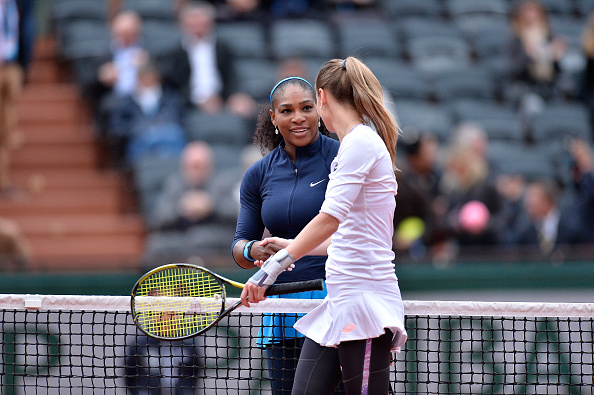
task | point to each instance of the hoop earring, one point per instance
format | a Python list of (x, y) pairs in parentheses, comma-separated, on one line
[(275, 130)]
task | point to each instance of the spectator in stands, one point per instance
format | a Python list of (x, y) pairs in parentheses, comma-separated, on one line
[(187, 199), (149, 120), (16, 38), (466, 179), (202, 67), (583, 177), (153, 367), (418, 192), (117, 70), (534, 52), (472, 136), (511, 188), (545, 226), (14, 249), (587, 92)]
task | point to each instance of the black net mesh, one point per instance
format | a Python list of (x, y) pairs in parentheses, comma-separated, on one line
[(80, 352)]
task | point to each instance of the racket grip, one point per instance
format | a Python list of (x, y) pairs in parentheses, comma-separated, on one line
[(296, 286)]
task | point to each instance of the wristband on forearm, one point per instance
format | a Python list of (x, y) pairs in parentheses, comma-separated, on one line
[(272, 268), (246, 251)]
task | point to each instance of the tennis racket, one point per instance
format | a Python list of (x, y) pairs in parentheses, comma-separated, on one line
[(178, 301)]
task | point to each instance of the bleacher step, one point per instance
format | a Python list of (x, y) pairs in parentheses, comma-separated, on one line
[(38, 180), (51, 113), (55, 134), (84, 252), (64, 202), (74, 214), (83, 224), (65, 155)]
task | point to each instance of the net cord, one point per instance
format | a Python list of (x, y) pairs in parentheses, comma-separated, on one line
[(272, 305)]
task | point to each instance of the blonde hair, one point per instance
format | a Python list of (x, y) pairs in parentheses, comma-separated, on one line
[(588, 37), (350, 81), (475, 170), (517, 21)]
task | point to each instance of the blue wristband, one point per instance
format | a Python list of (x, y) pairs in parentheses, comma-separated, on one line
[(246, 251)]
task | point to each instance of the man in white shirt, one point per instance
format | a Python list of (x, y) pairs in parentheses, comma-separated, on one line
[(204, 66)]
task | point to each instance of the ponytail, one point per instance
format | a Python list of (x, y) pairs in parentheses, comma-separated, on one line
[(350, 81)]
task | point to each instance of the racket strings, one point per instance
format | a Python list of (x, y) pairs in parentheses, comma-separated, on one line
[(178, 302)]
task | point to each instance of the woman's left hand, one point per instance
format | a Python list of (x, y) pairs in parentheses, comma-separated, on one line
[(253, 293)]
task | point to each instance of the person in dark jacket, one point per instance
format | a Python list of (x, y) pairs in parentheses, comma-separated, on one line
[(534, 51), (279, 195), (546, 225), (149, 120), (202, 67), (153, 367)]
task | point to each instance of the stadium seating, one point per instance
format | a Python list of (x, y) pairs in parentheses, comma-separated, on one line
[(217, 129), (308, 38), (471, 83), (558, 7), (532, 162), (256, 77), (246, 39), (402, 80), (152, 9), (499, 122), (419, 114), (443, 62), (149, 174), (559, 121), (457, 8), (367, 37), (408, 8)]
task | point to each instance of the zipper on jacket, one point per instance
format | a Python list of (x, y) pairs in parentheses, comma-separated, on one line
[(290, 211)]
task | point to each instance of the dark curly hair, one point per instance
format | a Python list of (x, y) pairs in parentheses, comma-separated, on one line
[(264, 136)]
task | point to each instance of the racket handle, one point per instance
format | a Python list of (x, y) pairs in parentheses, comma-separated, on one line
[(296, 286)]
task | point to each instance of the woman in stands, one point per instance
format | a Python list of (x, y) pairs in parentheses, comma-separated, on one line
[(534, 52), (363, 313), (281, 193)]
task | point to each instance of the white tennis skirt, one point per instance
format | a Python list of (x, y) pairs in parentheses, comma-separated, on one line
[(356, 311)]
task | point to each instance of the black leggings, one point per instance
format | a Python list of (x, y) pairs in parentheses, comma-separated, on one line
[(320, 369), (282, 358)]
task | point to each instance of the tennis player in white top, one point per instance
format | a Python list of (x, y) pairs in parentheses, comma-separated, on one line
[(363, 312)]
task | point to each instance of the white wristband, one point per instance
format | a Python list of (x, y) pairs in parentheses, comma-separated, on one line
[(272, 268)]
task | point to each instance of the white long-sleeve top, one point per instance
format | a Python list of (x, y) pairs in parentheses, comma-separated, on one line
[(360, 194), (363, 293)]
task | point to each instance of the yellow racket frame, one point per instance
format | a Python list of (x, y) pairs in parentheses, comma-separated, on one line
[(178, 300)]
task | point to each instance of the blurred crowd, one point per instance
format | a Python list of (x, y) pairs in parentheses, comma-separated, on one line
[(495, 100)]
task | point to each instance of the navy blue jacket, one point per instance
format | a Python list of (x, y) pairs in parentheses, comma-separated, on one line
[(283, 197)]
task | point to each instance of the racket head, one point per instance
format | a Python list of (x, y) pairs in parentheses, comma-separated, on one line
[(177, 301)]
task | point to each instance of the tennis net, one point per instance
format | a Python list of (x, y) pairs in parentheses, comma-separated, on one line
[(56, 344)]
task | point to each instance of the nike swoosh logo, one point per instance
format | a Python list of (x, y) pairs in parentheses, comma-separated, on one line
[(313, 184)]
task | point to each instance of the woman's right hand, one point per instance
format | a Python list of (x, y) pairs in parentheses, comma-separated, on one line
[(271, 244), (283, 243), (263, 250)]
